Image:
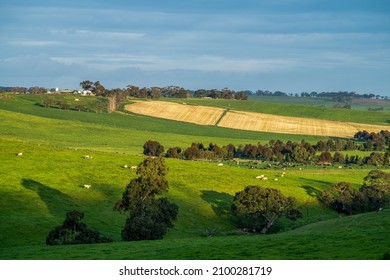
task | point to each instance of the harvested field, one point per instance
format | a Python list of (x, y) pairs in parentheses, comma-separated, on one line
[(294, 125), (202, 115)]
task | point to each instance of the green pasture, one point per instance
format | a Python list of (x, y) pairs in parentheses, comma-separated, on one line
[(317, 102), (39, 187), (347, 238)]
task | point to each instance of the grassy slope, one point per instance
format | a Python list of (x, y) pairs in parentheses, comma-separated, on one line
[(112, 131), (38, 188), (357, 237)]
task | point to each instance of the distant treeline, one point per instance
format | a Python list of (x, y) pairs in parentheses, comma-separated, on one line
[(278, 151), (338, 96), (170, 91), (23, 90), (180, 92)]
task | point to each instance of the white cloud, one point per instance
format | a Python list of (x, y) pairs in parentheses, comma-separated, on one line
[(33, 43)]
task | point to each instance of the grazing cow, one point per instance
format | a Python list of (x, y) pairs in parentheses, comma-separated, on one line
[(220, 164), (19, 154), (134, 167), (87, 187), (275, 179), (264, 178), (259, 177), (87, 157)]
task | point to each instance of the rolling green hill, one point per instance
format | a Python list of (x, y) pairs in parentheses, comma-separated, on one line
[(37, 189), (350, 238)]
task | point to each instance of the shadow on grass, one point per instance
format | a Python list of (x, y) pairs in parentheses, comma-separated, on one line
[(313, 192), (220, 202), (56, 201)]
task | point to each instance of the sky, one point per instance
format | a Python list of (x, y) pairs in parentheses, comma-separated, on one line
[(287, 45)]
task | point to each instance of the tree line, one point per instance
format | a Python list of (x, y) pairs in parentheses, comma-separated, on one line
[(181, 92), (168, 91), (337, 96), (285, 152)]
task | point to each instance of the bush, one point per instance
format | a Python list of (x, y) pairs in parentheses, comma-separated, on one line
[(73, 231)]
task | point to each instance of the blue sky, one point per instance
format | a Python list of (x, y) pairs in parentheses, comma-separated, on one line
[(293, 46)]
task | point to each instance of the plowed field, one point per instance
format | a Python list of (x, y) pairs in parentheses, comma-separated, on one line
[(250, 121)]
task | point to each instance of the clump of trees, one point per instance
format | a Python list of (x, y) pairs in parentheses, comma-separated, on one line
[(73, 231), (149, 217), (373, 195), (256, 209), (222, 94), (373, 141)]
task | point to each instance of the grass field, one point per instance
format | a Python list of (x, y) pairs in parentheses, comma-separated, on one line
[(37, 189), (356, 104)]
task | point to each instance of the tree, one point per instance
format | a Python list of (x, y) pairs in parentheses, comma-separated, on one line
[(344, 199), (300, 154), (149, 218), (174, 152), (325, 158), (153, 148), (87, 85), (98, 88), (152, 223), (258, 208), (73, 231), (338, 157), (376, 188)]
